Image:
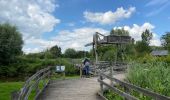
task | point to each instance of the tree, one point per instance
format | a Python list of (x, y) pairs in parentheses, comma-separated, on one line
[(55, 51), (120, 32), (124, 49), (10, 43), (82, 54), (146, 36), (70, 53), (166, 41), (142, 47), (104, 51)]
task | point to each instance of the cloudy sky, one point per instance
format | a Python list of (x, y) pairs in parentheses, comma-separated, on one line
[(71, 23)]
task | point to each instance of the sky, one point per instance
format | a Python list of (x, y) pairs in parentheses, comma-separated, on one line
[(72, 23)]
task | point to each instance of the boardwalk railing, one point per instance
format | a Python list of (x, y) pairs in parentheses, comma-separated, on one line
[(36, 82), (127, 87)]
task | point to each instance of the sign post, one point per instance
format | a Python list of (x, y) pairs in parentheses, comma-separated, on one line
[(61, 69)]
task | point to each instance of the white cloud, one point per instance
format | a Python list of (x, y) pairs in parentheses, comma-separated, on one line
[(76, 38), (41, 42), (31, 50), (109, 17), (32, 17), (136, 31), (35, 45)]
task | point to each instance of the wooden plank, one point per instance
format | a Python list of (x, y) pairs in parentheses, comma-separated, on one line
[(72, 89)]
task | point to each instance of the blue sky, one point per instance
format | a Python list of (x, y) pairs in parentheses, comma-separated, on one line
[(71, 23)]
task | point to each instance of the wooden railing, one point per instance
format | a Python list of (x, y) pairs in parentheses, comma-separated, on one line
[(127, 87), (40, 78)]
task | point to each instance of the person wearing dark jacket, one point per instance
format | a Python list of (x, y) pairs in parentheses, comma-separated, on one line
[(86, 66)]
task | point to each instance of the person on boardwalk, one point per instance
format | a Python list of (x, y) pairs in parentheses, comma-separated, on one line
[(86, 66)]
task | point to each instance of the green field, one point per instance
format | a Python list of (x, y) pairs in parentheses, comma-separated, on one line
[(7, 87)]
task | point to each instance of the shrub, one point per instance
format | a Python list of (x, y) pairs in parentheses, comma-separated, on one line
[(27, 66)]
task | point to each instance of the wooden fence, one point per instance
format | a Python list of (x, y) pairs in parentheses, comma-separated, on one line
[(127, 87), (36, 82)]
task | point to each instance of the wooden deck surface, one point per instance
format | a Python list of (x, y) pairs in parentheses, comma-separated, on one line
[(72, 89)]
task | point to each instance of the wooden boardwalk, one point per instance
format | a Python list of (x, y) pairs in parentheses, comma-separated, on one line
[(72, 89)]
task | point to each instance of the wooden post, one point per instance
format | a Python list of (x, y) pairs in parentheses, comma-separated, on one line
[(37, 90), (80, 71), (64, 75), (127, 91), (96, 54), (15, 95), (111, 72), (101, 84)]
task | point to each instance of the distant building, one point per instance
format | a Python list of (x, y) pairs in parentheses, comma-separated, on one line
[(159, 52)]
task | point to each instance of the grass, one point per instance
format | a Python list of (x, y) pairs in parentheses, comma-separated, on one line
[(7, 87), (110, 95)]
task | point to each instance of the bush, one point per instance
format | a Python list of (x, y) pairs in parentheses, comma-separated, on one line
[(27, 66)]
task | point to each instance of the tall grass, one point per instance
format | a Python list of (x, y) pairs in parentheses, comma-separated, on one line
[(154, 76)]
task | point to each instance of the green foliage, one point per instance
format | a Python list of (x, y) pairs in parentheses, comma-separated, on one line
[(166, 41), (70, 69), (27, 66), (120, 32), (55, 51), (130, 51), (110, 95), (10, 43), (106, 52), (146, 36), (70, 53), (142, 48), (147, 58), (82, 54), (123, 50), (109, 55), (154, 76)]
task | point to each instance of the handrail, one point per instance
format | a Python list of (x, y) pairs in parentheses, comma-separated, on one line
[(127, 87), (33, 83)]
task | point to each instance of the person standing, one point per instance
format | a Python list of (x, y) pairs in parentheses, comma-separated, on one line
[(87, 66)]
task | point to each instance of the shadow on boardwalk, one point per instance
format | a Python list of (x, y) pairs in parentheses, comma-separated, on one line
[(72, 89)]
